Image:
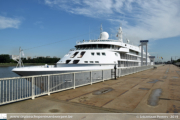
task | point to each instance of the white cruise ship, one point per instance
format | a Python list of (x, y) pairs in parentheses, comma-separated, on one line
[(102, 53)]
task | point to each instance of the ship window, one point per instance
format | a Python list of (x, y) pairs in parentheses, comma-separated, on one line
[(98, 53), (92, 53), (74, 54), (91, 61), (104, 54), (96, 61), (81, 55), (75, 61), (116, 54), (94, 47), (100, 46), (85, 61), (67, 61)]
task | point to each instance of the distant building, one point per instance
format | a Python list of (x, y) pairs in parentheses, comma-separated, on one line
[(48, 57), (55, 57), (28, 57), (13, 56)]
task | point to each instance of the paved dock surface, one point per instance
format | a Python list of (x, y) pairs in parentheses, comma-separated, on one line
[(150, 91)]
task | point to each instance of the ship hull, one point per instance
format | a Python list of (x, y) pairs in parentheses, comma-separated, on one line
[(28, 71)]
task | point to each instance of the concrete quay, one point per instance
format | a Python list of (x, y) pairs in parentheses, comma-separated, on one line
[(150, 91)]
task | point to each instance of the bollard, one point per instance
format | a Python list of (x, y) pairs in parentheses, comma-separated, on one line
[(115, 71)]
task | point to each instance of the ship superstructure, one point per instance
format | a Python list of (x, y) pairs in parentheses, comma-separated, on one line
[(102, 53)]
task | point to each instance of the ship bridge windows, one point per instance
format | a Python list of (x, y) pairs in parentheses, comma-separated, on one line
[(81, 55), (67, 61), (96, 46), (74, 54), (76, 61)]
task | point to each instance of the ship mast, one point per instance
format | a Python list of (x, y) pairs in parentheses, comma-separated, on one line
[(20, 63), (119, 34), (101, 30)]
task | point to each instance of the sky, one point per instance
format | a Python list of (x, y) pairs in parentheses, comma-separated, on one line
[(52, 27)]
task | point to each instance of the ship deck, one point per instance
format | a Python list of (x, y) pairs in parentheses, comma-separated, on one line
[(128, 94)]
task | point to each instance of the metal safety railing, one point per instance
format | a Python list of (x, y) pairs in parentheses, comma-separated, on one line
[(21, 88)]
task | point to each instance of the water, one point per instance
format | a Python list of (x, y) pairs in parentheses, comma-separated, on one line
[(154, 97), (144, 88), (154, 81), (13, 89), (6, 72), (174, 77)]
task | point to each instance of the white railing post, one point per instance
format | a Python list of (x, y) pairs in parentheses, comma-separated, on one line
[(102, 76), (33, 88), (91, 77), (0, 94), (122, 72), (119, 72), (48, 84), (74, 81)]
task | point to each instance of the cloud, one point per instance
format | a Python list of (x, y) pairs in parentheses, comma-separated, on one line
[(39, 24), (141, 19), (6, 22)]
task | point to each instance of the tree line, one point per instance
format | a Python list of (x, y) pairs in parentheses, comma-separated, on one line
[(5, 58)]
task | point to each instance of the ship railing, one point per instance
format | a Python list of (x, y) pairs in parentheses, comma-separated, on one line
[(98, 40), (29, 87), (94, 48), (42, 66), (72, 49)]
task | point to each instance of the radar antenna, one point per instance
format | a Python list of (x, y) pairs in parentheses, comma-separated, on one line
[(128, 40), (101, 29)]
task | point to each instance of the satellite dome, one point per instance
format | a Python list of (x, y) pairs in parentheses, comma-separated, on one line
[(104, 36)]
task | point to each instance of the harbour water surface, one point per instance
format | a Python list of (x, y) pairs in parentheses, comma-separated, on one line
[(6, 72)]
